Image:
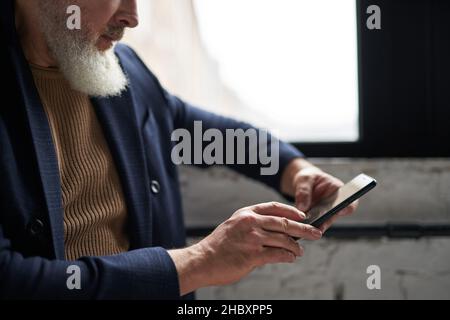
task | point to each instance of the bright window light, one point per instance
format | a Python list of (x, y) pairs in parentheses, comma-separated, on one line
[(294, 62)]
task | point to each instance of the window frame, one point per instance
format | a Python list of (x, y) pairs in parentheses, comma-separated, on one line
[(401, 76)]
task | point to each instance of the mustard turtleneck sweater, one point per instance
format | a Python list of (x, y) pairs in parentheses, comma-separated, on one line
[(94, 207)]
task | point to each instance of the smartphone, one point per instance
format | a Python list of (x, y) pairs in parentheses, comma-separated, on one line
[(342, 198)]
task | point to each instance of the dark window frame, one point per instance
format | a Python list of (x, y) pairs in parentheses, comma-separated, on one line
[(403, 74)]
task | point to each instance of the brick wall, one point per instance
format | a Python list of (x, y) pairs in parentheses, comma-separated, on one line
[(408, 191)]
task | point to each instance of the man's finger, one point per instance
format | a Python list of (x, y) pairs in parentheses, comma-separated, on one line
[(279, 210), (349, 210), (327, 186), (303, 194), (324, 227), (289, 227), (275, 255), (280, 240)]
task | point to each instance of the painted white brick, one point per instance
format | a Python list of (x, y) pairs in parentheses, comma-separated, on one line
[(408, 191)]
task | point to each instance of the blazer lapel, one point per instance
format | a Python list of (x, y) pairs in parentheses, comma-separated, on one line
[(41, 136), (118, 119)]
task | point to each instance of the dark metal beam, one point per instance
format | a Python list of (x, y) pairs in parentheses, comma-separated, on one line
[(368, 231)]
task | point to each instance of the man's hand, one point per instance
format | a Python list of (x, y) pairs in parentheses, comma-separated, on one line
[(252, 237), (309, 184)]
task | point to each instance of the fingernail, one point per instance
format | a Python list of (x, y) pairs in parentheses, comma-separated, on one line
[(316, 233), (302, 206), (302, 215), (293, 257)]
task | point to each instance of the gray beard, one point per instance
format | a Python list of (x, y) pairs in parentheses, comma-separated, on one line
[(87, 69)]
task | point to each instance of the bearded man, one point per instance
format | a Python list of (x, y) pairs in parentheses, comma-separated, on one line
[(88, 187)]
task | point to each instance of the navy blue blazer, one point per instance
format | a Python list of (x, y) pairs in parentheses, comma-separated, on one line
[(137, 126)]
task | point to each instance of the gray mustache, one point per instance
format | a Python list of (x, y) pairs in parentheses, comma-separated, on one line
[(115, 32)]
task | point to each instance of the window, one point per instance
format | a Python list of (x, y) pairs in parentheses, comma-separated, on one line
[(286, 65), (309, 70), (292, 62)]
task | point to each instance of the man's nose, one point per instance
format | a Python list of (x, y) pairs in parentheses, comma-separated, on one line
[(127, 15)]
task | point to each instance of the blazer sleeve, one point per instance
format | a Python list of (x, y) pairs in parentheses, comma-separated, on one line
[(147, 273), (185, 115)]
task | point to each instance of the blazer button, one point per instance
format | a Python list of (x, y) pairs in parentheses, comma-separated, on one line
[(155, 187), (35, 227)]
